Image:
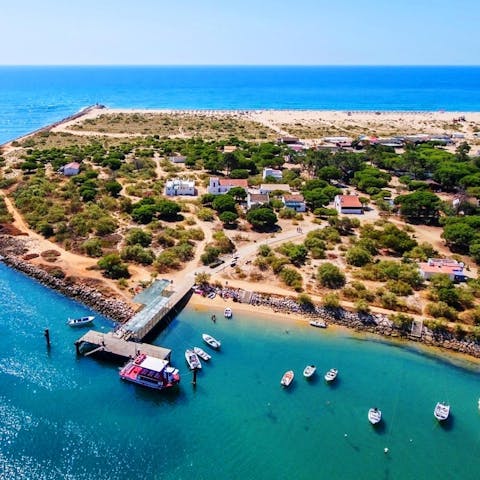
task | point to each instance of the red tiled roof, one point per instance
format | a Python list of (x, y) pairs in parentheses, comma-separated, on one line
[(294, 198), (233, 182), (350, 201)]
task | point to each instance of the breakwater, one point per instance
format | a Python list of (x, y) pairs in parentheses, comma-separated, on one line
[(11, 249)]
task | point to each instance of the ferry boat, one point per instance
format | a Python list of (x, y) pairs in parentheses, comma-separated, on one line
[(374, 415), (442, 411), (227, 313), (80, 322), (150, 372)]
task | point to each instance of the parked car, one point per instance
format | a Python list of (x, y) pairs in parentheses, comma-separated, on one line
[(216, 263)]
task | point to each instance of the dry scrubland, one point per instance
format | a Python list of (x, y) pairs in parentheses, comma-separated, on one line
[(84, 230)]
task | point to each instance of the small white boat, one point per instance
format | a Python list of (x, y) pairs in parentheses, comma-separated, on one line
[(192, 359), (331, 375), (374, 415), (287, 378), (318, 323), (227, 313), (442, 411), (80, 322), (309, 371), (212, 342), (202, 353)]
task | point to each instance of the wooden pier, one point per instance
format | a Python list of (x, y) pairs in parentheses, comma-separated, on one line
[(108, 344)]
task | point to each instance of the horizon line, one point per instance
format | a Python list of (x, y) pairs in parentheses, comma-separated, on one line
[(233, 65)]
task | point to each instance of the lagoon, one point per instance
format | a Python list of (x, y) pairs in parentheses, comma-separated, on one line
[(68, 417)]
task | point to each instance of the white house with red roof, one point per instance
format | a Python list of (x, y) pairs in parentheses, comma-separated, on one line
[(345, 204), (218, 186), (70, 169), (295, 201), (445, 266)]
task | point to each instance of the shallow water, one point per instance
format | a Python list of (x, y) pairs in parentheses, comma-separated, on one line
[(68, 417)]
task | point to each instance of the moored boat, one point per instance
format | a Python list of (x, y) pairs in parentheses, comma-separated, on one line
[(442, 411), (331, 375), (374, 415), (202, 353), (227, 313), (80, 322), (212, 342), (150, 372), (192, 359), (318, 323), (287, 378), (309, 371)]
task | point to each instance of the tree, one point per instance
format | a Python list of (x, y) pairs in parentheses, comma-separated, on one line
[(202, 278), (330, 276), (229, 219), (168, 210), (92, 247), (420, 206), (224, 203), (113, 267), (137, 253), (144, 213), (238, 193), (209, 255), (459, 236), (358, 256), (262, 218), (113, 188)]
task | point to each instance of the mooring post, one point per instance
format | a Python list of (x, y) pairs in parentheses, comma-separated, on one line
[(47, 337)]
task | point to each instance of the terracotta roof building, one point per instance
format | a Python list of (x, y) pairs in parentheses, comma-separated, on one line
[(348, 204), (218, 186)]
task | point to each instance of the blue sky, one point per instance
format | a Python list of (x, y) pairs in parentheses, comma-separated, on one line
[(246, 32)]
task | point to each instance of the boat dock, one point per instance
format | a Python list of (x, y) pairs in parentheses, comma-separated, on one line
[(126, 341), (108, 344)]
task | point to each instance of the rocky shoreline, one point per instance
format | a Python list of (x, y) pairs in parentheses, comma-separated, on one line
[(368, 323), (11, 250)]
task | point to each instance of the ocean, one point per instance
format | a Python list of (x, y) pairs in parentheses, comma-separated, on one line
[(31, 97), (63, 417)]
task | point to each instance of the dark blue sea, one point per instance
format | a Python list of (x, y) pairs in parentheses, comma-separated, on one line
[(31, 97)]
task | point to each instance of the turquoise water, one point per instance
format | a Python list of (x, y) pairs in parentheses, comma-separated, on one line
[(31, 97), (67, 417)]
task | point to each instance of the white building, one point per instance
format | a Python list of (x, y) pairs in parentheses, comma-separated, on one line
[(70, 169), (218, 186), (272, 172), (445, 266), (178, 159), (348, 204), (180, 187), (257, 199), (295, 202)]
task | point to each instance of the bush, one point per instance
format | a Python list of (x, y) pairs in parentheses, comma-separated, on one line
[(113, 267), (330, 276), (331, 300), (138, 254), (291, 278), (137, 236), (92, 247), (358, 256)]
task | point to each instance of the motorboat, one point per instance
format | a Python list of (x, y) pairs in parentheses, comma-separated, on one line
[(227, 313), (374, 415), (309, 371), (80, 322), (318, 323), (192, 359), (331, 375), (202, 353), (212, 342), (150, 372), (287, 378), (442, 411)]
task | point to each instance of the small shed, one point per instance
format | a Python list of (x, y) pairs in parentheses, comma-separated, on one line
[(70, 169)]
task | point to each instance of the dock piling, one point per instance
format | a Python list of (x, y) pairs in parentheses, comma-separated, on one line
[(46, 333)]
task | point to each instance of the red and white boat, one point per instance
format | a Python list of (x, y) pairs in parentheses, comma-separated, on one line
[(150, 372), (287, 378)]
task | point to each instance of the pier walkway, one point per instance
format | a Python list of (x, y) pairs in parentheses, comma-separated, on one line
[(125, 341)]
